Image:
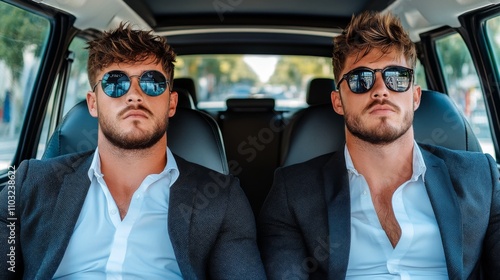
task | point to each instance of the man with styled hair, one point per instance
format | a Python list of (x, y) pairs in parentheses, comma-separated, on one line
[(119, 212), (384, 207)]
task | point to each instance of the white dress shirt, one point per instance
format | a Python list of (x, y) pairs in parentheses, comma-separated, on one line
[(419, 253), (138, 247)]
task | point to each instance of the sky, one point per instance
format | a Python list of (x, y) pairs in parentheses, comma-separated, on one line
[(262, 65)]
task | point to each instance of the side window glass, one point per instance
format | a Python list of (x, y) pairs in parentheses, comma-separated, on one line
[(76, 91), (420, 75), (23, 38), (462, 83), (78, 83), (493, 40)]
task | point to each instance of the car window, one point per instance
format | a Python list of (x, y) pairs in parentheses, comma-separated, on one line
[(282, 77), (23, 38), (462, 85), (420, 75), (493, 40), (78, 84), (76, 91)]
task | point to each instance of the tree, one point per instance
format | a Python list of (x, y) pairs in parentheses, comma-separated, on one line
[(224, 70), (454, 53), (19, 31)]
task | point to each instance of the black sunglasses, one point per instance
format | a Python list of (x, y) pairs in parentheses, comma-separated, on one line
[(362, 79), (117, 83)]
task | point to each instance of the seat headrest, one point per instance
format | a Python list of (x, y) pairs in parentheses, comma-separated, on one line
[(187, 84), (319, 91), (319, 130), (192, 135), (184, 99), (250, 104), (438, 121)]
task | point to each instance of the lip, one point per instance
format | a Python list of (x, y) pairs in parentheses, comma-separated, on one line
[(135, 114), (381, 110)]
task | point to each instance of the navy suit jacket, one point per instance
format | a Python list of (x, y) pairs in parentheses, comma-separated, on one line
[(304, 225), (210, 222)]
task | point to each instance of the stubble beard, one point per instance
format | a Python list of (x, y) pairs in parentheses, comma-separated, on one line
[(133, 141), (383, 134)]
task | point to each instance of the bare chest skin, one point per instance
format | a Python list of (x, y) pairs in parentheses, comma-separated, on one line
[(122, 199), (385, 213), (123, 207)]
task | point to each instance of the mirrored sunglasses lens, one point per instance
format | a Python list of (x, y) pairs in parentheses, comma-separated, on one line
[(115, 83), (360, 81), (397, 79), (153, 83)]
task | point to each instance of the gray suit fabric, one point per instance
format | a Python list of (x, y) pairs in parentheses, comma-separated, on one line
[(210, 221), (304, 225)]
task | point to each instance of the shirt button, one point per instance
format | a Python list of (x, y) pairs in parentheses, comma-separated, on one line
[(364, 192), (113, 212)]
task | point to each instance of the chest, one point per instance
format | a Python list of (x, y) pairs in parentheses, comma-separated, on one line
[(106, 244), (375, 221)]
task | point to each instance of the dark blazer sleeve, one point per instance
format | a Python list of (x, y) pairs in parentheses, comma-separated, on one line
[(491, 253), (235, 253), (280, 240), (11, 258)]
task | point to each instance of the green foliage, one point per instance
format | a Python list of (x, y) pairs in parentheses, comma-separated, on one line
[(19, 31), (226, 69), (493, 31), (454, 53), (291, 69), (224, 75), (78, 47)]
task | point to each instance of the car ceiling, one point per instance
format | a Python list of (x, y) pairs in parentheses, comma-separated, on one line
[(257, 26), (314, 13)]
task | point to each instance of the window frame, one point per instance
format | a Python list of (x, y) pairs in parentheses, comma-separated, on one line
[(60, 28)]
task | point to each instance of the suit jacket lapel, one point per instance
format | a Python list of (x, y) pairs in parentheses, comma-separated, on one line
[(181, 208), (338, 204), (73, 191), (447, 211)]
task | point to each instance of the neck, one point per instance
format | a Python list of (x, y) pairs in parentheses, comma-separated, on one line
[(128, 168), (383, 166)]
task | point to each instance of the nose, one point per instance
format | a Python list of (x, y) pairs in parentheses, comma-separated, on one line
[(379, 89), (134, 94)]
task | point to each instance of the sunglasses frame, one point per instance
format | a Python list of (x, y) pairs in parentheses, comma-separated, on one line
[(348, 75), (139, 77)]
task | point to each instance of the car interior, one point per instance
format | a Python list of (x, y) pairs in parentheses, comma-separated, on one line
[(231, 117)]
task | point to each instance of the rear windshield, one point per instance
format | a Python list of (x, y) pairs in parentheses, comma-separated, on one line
[(284, 78)]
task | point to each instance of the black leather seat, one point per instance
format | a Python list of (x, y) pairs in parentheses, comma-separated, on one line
[(318, 97), (188, 85), (185, 99), (320, 130), (252, 130), (319, 91), (192, 135)]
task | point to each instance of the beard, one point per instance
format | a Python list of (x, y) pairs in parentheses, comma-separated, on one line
[(137, 140), (385, 133)]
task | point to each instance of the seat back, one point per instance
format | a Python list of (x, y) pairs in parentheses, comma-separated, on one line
[(314, 131), (251, 129), (192, 135), (302, 127), (319, 129)]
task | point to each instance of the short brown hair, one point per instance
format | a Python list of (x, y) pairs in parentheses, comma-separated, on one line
[(125, 45), (372, 30)]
